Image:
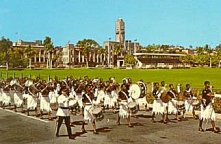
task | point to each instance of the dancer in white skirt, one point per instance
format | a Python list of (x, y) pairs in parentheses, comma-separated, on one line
[(87, 99), (45, 96), (159, 107), (207, 110), (142, 100), (124, 111), (79, 92), (189, 99), (6, 96), (172, 107), (110, 99), (32, 100), (18, 97)]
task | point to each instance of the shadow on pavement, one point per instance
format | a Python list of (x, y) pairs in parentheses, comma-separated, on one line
[(144, 116)]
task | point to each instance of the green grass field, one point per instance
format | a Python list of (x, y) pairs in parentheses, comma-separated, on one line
[(194, 76)]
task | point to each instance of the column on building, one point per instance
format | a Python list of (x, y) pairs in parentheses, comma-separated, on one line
[(98, 57), (94, 55), (79, 56), (108, 52), (90, 55), (39, 54), (35, 58), (44, 57), (82, 58)]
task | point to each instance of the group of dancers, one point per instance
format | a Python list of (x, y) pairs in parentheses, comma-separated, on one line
[(91, 97), (177, 102)]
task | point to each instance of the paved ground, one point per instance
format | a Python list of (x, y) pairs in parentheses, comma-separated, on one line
[(19, 129)]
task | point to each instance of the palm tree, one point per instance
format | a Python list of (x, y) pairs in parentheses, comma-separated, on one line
[(48, 45), (87, 45), (5, 45), (29, 54)]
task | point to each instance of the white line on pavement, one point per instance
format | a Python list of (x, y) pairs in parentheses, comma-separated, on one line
[(25, 115)]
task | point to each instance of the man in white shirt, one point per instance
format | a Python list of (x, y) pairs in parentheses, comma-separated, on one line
[(63, 112)]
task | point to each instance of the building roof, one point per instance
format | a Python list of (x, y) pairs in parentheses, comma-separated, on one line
[(158, 54)]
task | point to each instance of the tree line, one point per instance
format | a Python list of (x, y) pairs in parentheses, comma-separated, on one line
[(17, 57)]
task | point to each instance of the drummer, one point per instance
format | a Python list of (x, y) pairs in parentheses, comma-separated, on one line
[(87, 99), (124, 111), (189, 98)]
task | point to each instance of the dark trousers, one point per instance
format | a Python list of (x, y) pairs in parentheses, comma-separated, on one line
[(67, 123)]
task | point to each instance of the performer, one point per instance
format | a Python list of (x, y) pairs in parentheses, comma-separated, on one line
[(142, 100), (18, 97), (172, 109), (163, 86), (63, 112), (87, 99), (45, 95), (189, 98), (32, 99), (207, 110), (124, 111), (79, 89), (110, 99), (158, 106), (6, 97)]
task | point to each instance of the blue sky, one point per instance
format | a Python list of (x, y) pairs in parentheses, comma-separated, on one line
[(177, 22)]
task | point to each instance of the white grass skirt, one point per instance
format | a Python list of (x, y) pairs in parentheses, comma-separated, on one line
[(123, 111), (207, 113), (172, 107), (45, 104), (31, 102), (141, 101), (18, 99), (6, 98), (88, 116), (159, 107)]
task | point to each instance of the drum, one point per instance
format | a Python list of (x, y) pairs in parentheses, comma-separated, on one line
[(180, 97), (54, 106), (28, 83), (180, 105), (135, 91), (73, 103), (97, 112), (196, 104), (13, 82), (133, 107), (165, 97)]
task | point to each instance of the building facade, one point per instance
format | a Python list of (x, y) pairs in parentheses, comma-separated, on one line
[(120, 47), (74, 56), (40, 55)]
